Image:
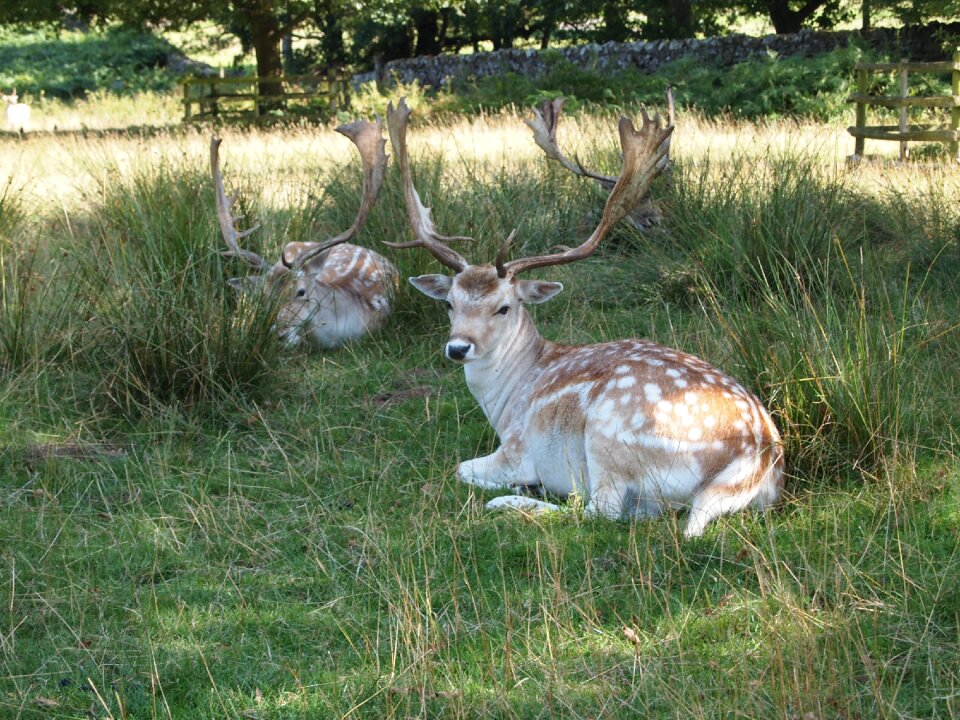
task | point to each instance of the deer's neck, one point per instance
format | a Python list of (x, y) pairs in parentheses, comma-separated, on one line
[(501, 380)]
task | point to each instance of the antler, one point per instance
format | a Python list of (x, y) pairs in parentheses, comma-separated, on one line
[(231, 236), (544, 126), (419, 215), (368, 137), (644, 156)]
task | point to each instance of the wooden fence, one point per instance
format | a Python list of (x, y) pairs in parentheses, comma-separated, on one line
[(243, 97), (904, 132)]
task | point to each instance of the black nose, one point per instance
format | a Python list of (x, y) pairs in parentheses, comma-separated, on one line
[(457, 352)]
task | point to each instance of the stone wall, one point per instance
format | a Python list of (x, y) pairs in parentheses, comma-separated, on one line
[(924, 43)]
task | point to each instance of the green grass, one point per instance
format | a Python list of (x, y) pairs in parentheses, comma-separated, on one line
[(195, 524), (68, 65)]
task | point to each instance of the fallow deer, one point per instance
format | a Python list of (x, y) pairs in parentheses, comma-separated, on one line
[(17, 113), (331, 291), (630, 425)]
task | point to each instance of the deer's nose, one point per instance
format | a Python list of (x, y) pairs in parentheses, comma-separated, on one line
[(458, 350)]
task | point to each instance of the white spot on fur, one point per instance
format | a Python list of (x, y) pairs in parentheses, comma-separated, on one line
[(652, 392), (605, 411)]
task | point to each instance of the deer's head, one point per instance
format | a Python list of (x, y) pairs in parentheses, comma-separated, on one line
[(485, 301), (291, 280)]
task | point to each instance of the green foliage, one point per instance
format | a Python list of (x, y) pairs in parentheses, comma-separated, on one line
[(72, 64), (815, 88)]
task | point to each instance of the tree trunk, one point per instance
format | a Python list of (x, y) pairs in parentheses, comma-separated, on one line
[(614, 23), (787, 21), (427, 25), (265, 36), (682, 22), (329, 18), (286, 51)]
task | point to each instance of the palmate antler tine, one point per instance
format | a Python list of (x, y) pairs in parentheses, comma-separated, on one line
[(368, 137), (419, 216), (225, 216), (643, 151), (671, 118), (544, 126)]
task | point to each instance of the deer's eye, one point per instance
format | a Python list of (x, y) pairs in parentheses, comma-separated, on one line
[(504, 310), (301, 292)]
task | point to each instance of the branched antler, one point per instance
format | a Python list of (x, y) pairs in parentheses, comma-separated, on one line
[(226, 218), (426, 236), (644, 156), (368, 137), (544, 125)]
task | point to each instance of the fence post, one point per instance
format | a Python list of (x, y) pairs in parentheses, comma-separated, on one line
[(955, 111), (862, 88), (187, 105), (904, 90)]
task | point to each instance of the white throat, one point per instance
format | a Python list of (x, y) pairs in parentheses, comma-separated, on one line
[(500, 381)]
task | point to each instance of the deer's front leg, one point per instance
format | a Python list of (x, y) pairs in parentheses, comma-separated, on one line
[(489, 472)]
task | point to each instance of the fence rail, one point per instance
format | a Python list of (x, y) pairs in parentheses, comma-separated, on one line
[(904, 132), (252, 97)]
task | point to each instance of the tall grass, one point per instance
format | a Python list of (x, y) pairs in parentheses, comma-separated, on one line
[(35, 316)]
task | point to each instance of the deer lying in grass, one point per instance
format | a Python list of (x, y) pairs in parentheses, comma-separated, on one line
[(17, 113), (332, 291), (629, 425)]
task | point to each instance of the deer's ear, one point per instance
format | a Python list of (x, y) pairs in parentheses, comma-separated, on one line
[(536, 291), (433, 286)]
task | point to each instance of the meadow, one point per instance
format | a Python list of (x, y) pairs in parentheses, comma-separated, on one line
[(196, 523)]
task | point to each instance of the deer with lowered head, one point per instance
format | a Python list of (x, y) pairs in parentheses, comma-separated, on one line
[(17, 113), (331, 291), (630, 425)]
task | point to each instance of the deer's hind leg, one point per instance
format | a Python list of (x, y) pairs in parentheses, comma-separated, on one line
[(748, 479)]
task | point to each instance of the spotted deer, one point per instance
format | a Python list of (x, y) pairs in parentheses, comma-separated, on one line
[(17, 113), (330, 290), (630, 425)]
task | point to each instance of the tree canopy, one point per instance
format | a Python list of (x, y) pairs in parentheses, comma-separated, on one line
[(360, 31)]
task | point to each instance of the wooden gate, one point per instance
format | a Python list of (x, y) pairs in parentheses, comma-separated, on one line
[(904, 132), (205, 98)]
